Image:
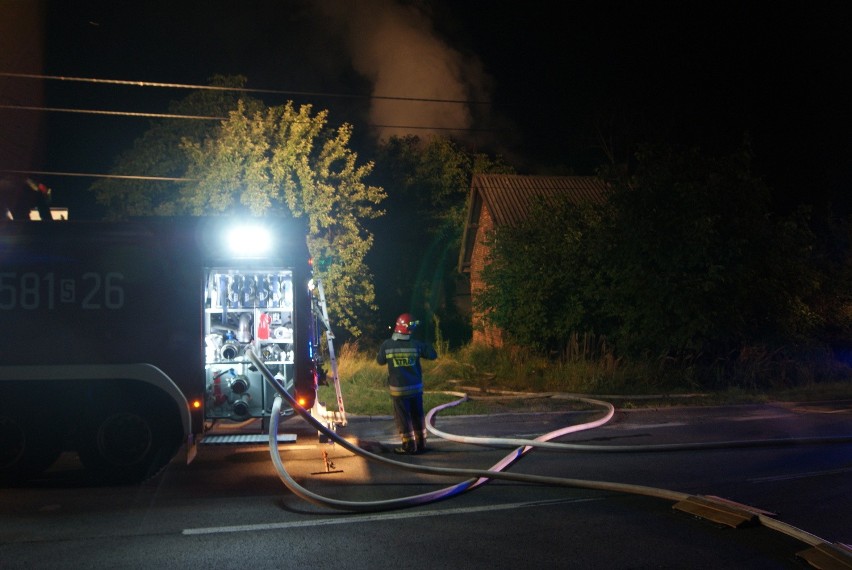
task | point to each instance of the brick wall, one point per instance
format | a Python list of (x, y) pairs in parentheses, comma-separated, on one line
[(481, 333)]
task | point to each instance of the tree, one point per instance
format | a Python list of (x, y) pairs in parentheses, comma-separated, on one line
[(269, 161), (285, 161), (684, 259), (428, 182), (157, 153), (542, 275), (696, 263)]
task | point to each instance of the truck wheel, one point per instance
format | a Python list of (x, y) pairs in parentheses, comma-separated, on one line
[(126, 446), (26, 448)]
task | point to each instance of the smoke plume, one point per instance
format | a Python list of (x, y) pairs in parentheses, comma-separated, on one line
[(394, 46)]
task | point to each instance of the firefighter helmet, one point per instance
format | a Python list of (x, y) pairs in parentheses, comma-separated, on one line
[(405, 324)]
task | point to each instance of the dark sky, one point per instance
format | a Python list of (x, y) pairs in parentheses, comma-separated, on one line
[(558, 76)]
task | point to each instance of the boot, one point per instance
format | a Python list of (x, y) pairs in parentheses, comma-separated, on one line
[(407, 448)]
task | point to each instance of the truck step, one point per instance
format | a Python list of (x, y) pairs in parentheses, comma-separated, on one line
[(243, 438)]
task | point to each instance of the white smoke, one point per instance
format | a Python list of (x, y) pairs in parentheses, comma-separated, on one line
[(395, 47)]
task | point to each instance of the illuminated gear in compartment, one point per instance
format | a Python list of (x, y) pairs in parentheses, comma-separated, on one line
[(246, 310)]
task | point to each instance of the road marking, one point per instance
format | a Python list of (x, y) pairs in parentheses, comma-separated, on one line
[(757, 416), (377, 517), (718, 419), (799, 475), (638, 426)]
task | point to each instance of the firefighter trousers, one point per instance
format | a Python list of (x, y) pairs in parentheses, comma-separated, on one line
[(408, 416)]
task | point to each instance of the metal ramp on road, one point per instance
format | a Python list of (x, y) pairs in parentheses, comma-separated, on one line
[(243, 438)]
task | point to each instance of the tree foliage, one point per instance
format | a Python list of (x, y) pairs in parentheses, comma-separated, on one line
[(698, 263), (284, 161), (157, 153), (428, 182), (683, 259), (542, 275), (279, 161)]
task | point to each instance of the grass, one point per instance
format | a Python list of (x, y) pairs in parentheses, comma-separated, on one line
[(509, 380)]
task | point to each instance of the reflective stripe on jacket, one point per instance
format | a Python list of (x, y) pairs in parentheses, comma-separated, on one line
[(402, 356)]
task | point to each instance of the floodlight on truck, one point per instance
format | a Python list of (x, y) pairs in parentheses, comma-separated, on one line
[(249, 241)]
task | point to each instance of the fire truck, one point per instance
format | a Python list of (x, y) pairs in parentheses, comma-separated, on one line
[(124, 341)]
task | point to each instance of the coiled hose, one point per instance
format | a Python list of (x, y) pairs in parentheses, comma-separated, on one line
[(477, 477), (502, 441)]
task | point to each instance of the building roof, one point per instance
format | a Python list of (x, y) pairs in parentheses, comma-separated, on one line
[(509, 198)]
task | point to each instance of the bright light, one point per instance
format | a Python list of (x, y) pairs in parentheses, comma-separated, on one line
[(196, 404), (249, 241)]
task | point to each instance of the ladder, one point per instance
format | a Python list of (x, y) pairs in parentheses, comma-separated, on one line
[(339, 416)]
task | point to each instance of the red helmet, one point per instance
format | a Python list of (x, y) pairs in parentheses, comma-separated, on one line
[(405, 324)]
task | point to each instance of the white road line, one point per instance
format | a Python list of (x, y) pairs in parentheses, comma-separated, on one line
[(638, 426), (757, 417), (799, 475), (376, 517)]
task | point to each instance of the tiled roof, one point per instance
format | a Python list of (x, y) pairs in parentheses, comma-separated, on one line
[(509, 196)]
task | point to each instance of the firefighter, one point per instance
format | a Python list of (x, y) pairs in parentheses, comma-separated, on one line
[(402, 354)]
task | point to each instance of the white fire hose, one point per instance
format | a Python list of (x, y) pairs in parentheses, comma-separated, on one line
[(477, 477)]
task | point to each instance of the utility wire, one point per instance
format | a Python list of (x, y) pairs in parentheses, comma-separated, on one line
[(238, 89), (112, 113), (203, 117), (196, 117), (92, 175)]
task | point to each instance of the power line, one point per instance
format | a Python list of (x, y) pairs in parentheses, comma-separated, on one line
[(113, 113), (237, 89), (106, 112), (204, 117), (92, 175)]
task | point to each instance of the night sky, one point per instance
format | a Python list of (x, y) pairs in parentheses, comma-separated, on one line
[(546, 81)]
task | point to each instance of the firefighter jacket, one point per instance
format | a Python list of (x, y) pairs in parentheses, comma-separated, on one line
[(402, 354)]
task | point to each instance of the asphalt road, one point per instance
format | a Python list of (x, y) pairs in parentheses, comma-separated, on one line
[(229, 509)]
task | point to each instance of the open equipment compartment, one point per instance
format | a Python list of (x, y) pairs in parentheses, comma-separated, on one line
[(247, 308)]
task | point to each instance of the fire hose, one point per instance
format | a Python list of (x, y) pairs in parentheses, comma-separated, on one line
[(478, 477)]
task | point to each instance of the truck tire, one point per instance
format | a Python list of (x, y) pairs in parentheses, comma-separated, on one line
[(27, 447), (127, 444)]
